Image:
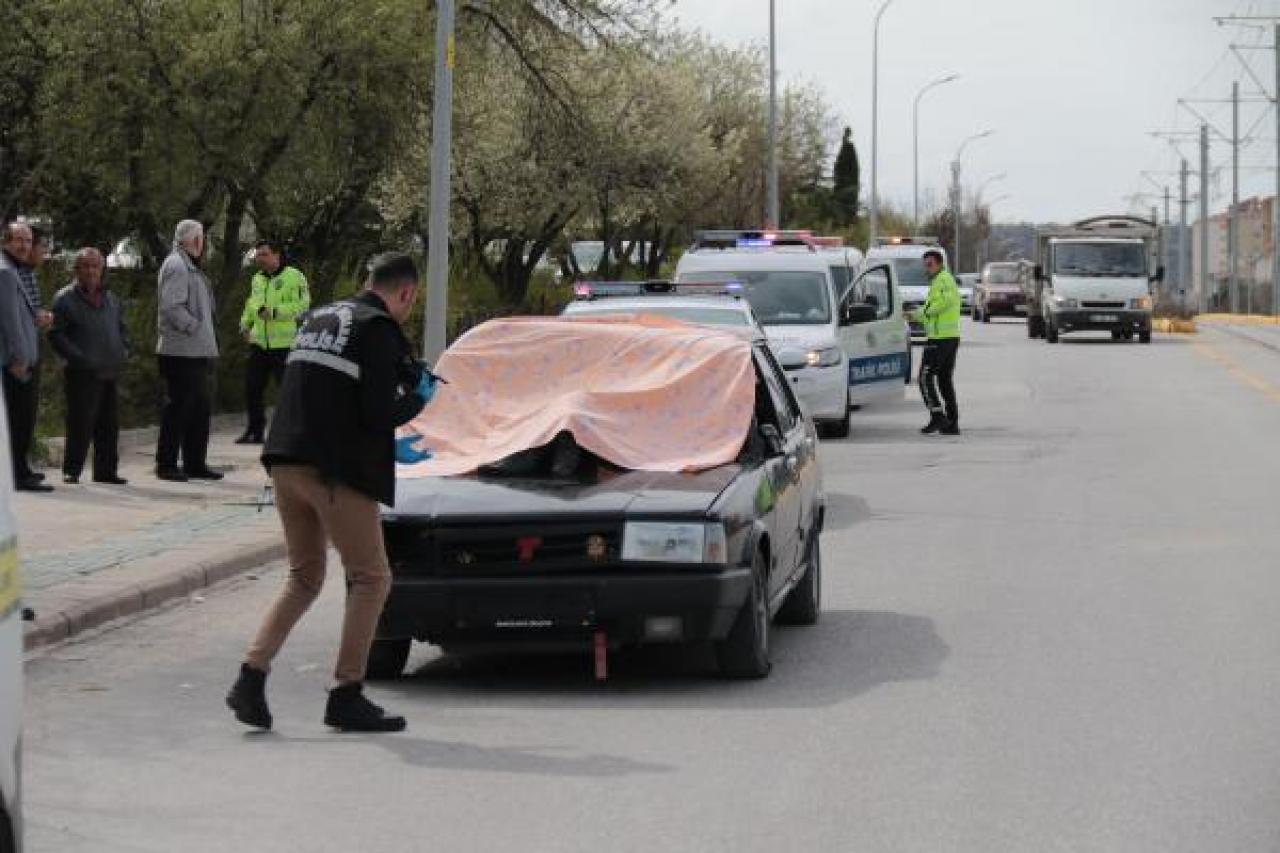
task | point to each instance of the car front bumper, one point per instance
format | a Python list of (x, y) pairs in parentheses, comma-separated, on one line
[(1101, 319), (1004, 307), (559, 609), (823, 391)]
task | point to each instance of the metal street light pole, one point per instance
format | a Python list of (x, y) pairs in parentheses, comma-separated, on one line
[(955, 178), (1233, 223), (986, 241), (915, 147), (1205, 297), (435, 315), (774, 214), (1275, 202), (875, 124)]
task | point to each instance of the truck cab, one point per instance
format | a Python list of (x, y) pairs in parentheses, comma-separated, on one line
[(1095, 275)]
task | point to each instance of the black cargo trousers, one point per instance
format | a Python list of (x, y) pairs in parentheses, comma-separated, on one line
[(937, 368)]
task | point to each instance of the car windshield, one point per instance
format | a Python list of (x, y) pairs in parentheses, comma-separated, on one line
[(1002, 275), (909, 272), (778, 298), (1097, 259), (702, 315)]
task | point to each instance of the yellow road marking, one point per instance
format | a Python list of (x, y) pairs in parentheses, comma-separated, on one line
[(1233, 367)]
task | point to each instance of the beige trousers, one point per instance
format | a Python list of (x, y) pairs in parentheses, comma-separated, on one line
[(313, 513)]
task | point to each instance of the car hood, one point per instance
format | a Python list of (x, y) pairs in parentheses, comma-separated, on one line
[(799, 337), (490, 499), (1096, 288)]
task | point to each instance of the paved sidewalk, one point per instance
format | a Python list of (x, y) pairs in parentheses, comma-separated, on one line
[(92, 553)]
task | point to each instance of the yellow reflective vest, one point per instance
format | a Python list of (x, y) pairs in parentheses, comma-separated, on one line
[(286, 297), (940, 313)]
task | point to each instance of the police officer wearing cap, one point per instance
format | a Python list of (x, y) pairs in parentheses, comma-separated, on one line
[(940, 316)]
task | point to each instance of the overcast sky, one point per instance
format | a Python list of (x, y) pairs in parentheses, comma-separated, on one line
[(1072, 90)]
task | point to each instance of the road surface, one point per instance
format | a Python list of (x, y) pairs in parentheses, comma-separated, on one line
[(1060, 631)]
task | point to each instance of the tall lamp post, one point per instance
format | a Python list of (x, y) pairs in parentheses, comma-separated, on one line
[(875, 122), (955, 179), (774, 214), (986, 243), (435, 316), (915, 147)]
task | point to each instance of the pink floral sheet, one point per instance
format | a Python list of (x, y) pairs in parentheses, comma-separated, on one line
[(642, 393)]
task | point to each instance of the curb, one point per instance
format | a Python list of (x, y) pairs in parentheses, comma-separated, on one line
[(134, 599)]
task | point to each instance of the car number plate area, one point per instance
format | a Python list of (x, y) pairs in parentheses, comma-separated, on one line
[(525, 611), (1104, 318)]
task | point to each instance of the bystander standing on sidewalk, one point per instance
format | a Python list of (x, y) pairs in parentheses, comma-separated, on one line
[(88, 332), (278, 296), (351, 380), (187, 346), (20, 320)]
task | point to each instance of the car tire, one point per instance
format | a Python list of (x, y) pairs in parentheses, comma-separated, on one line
[(1144, 337), (986, 316), (1033, 327), (387, 658), (804, 602), (745, 652)]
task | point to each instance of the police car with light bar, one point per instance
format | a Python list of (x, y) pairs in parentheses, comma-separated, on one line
[(841, 347), (715, 305), (906, 256)]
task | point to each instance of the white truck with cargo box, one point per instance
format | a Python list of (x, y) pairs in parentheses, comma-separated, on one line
[(1095, 275)]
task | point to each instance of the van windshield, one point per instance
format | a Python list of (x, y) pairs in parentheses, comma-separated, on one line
[(909, 272), (1100, 259), (778, 298)]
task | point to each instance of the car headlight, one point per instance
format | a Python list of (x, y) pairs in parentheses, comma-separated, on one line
[(1142, 303), (826, 357), (1064, 302), (674, 542)]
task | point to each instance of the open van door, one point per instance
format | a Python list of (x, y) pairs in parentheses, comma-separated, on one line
[(873, 333)]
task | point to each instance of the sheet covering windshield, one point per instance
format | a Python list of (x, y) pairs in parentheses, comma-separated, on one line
[(643, 393)]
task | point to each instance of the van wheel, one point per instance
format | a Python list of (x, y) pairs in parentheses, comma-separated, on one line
[(804, 602), (387, 658), (1033, 327), (1144, 337), (745, 652)]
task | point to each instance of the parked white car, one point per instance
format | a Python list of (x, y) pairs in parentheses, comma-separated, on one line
[(839, 349)]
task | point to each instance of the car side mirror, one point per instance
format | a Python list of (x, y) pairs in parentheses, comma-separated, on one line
[(792, 359), (858, 312), (772, 440), (1159, 276), (1038, 272)]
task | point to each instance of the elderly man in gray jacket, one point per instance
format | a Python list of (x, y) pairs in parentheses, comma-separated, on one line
[(20, 352), (186, 349)]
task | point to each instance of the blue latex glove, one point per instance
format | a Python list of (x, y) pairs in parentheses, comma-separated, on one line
[(426, 387), (406, 454)]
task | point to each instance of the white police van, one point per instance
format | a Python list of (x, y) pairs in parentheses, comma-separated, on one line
[(840, 348), (10, 661)]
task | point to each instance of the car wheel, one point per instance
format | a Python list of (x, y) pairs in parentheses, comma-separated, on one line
[(1144, 337), (1033, 327), (840, 428), (804, 602), (986, 316), (387, 658), (745, 652)]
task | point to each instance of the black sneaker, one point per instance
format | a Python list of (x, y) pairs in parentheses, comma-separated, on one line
[(950, 428), (111, 480), (935, 423), (250, 438), (203, 474), (71, 479), (173, 475), (31, 484), (349, 711), (248, 698)]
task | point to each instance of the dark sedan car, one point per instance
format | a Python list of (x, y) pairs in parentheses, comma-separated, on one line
[(540, 552), (1000, 291)]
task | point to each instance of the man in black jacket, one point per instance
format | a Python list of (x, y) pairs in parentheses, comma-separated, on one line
[(88, 332), (350, 380)]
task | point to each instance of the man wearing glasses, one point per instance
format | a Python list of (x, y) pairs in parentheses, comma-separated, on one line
[(940, 316)]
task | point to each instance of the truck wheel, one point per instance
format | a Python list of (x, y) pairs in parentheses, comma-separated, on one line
[(986, 316), (387, 658), (1144, 336), (1116, 334), (804, 602), (745, 652), (1050, 332)]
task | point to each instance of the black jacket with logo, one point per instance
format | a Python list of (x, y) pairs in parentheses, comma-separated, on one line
[(347, 385)]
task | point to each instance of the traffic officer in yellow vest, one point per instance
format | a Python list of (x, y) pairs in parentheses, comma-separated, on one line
[(940, 316), (278, 296)]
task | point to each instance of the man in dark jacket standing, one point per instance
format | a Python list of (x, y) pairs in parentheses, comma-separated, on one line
[(350, 380), (20, 323), (186, 348), (88, 332)]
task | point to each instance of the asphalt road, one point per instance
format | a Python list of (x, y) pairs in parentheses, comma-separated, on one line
[(1060, 631)]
